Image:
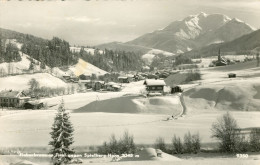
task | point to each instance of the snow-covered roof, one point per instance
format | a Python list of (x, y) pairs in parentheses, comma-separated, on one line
[(10, 94), (122, 77), (84, 81), (151, 82)]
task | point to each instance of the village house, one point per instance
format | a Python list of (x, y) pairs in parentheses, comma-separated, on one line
[(10, 98), (123, 79), (154, 86), (98, 85), (111, 86)]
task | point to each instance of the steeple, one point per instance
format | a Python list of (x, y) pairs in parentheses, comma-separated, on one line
[(219, 57)]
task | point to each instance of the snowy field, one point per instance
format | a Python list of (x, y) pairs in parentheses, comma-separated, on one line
[(20, 82), (31, 128), (211, 159)]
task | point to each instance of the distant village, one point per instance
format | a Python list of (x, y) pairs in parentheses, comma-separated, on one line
[(153, 80)]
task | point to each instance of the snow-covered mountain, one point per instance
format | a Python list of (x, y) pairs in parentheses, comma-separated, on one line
[(194, 31)]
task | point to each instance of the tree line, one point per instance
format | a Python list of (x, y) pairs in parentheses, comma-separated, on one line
[(110, 60)]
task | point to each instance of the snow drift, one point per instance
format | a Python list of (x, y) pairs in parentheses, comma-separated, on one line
[(224, 97), (135, 104)]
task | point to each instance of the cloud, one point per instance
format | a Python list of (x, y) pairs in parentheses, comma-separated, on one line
[(83, 19)]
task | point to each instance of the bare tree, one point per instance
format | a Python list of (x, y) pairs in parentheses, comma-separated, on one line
[(160, 144), (226, 131), (177, 145), (255, 139)]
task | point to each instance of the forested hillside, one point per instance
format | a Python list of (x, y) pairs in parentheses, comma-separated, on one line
[(56, 53), (53, 53), (113, 60)]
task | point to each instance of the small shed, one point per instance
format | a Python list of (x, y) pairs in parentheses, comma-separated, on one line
[(158, 153), (232, 75), (176, 89), (33, 105)]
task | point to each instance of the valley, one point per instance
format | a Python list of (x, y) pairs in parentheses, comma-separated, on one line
[(157, 96)]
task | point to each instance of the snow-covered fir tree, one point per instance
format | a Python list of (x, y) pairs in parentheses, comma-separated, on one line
[(62, 137)]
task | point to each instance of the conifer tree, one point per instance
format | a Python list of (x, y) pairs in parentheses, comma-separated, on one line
[(62, 137)]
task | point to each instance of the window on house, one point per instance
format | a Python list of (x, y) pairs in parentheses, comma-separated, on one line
[(160, 88), (153, 87)]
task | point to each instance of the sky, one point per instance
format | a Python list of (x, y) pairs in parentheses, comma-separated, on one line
[(93, 22)]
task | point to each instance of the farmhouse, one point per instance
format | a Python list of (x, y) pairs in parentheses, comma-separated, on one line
[(9, 98), (154, 86)]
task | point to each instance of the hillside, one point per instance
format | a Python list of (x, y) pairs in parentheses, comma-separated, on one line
[(20, 82), (83, 67), (119, 46), (243, 44)]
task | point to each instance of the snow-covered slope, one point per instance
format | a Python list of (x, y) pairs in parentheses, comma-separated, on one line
[(194, 31), (20, 82), (83, 67), (148, 57), (19, 67)]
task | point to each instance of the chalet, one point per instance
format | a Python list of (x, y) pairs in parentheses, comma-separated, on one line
[(111, 86), (9, 98), (123, 79), (97, 85), (131, 77), (152, 76), (87, 83), (154, 86)]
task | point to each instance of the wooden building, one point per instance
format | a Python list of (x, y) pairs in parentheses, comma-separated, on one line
[(232, 75), (176, 89), (154, 86), (123, 79), (10, 98), (98, 85), (33, 105)]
